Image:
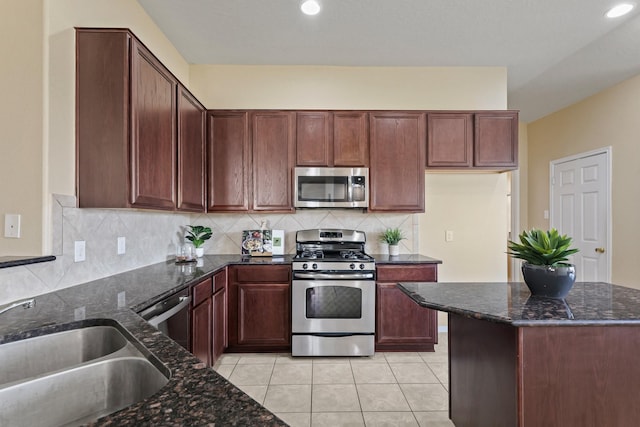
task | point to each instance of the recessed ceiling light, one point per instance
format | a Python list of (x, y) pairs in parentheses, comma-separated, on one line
[(619, 10), (310, 7)]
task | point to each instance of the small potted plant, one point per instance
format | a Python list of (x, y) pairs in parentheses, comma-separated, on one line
[(545, 268), (392, 237), (198, 234)]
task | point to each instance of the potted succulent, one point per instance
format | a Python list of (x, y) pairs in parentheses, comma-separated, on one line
[(545, 268), (392, 237), (198, 234)]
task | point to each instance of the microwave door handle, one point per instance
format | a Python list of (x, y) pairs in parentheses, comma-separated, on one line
[(349, 189)]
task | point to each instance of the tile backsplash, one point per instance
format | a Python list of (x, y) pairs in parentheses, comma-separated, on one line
[(152, 237)]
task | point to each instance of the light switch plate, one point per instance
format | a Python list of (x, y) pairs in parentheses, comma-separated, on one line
[(448, 236), (12, 226)]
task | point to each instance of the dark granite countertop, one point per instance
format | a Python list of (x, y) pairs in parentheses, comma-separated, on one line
[(405, 259), (588, 303), (14, 261), (195, 395)]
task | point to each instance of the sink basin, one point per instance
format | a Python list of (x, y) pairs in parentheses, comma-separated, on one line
[(34, 356), (78, 395), (74, 377)]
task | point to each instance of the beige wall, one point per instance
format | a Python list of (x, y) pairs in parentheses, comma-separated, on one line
[(228, 86), (21, 121), (474, 207), (609, 118)]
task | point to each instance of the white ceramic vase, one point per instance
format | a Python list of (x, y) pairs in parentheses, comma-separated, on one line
[(199, 252), (394, 250)]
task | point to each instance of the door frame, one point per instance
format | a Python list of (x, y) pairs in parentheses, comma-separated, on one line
[(607, 151)]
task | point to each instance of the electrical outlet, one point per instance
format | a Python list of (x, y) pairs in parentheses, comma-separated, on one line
[(448, 236), (79, 254), (122, 249), (12, 226), (545, 214)]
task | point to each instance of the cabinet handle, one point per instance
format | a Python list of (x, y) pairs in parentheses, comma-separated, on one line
[(600, 250)]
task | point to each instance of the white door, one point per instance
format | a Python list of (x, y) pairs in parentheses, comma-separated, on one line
[(581, 208)]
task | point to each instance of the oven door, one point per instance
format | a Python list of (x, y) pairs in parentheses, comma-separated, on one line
[(333, 307)]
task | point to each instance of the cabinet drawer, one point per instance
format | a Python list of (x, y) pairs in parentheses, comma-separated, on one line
[(263, 274), (202, 291), (407, 272), (219, 280)]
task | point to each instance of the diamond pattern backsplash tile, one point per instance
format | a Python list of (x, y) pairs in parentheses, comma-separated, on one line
[(152, 237)]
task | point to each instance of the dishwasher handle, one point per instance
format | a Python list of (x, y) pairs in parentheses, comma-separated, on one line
[(157, 320)]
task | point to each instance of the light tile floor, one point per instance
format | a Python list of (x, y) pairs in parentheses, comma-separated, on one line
[(387, 389)]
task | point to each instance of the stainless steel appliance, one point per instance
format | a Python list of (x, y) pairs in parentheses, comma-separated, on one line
[(332, 294), (171, 317), (331, 188)]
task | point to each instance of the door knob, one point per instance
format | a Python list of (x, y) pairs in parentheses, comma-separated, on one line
[(600, 250)]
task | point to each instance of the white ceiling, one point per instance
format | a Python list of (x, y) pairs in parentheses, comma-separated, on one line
[(556, 52)]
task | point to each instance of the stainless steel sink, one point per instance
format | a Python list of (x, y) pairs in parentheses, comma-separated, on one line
[(48, 353), (74, 377), (79, 395)]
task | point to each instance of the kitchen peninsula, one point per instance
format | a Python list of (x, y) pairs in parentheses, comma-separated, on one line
[(518, 360)]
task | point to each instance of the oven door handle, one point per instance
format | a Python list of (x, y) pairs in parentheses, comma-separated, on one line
[(348, 276)]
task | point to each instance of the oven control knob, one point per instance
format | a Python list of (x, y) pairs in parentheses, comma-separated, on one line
[(352, 266), (361, 266), (305, 266), (314, 266)]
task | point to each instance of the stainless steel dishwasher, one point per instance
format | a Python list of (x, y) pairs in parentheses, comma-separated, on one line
[(171, 317)]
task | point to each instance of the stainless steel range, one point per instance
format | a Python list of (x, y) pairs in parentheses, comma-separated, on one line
[(332, 294)]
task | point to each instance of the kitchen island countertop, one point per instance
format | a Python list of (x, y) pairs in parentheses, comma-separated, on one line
[(588, 303)]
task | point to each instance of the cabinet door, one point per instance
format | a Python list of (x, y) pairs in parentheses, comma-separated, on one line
[(229, 161), (313, 139), (401, 324), (398, 143), (496, 140), (350, 139), (102, 128), (259, 308), (201, 322), (264, 315), (191, 152), (449, 140), (219, 341), (273, 160), (153, 131)]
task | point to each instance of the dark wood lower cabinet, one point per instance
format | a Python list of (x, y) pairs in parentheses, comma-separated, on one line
[(219, 315), (209, 318), (259, 308), (201, 321), (401, 324)]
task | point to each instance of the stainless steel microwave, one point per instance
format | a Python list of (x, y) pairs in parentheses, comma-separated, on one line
[(331, 188)]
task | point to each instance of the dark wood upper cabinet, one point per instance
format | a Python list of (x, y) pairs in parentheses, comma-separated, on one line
[(350, 139), (472, 140), (273, 160), (338, 138), (314, 145), (398, 141), (191, 152), (153, 131), (449, 140), (130, 118), (496, 140), (229, 161)]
